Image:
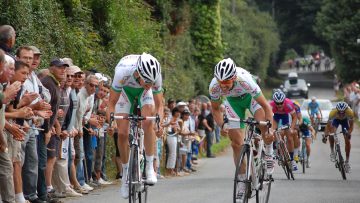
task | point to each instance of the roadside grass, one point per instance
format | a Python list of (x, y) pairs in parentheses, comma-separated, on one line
[(221, 145)]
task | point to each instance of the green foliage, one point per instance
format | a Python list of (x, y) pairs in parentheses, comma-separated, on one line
[(290, 54), (310, 48), (206, 36), (250, 36), (338, 24)]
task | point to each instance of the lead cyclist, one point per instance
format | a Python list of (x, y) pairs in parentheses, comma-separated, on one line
[(240, 91), (137, 77)]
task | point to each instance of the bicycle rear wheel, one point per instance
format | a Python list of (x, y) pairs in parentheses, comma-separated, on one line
[(243, 159), (303, 154), (133, 175), (341, 163)]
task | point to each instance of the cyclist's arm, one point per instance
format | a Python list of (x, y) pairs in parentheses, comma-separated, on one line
[(113, 98), (308, 111), (266, 106), (293, 119), (217, 113), (159, 105), (351, 122), (312, 130)]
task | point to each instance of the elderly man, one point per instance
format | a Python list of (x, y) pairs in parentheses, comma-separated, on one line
[(6, 169), (83, 115), (7, 39)]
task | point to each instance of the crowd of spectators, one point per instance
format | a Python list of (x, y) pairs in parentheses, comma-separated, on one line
[(53, 129), (352, 97)]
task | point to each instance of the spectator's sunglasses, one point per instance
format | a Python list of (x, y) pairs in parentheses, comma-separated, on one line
[(70, 76)]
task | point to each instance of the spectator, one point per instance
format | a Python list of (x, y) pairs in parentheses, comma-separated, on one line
[(48, 158), (7, 191), (173, 130), (188, 134), (207, 121), (33, 87), (7, 39)]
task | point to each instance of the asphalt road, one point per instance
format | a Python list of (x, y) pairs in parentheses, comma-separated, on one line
[(213, 181)]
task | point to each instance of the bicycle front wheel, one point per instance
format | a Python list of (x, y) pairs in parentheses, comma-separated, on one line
[(341, 163), (243, 159), (133, 175)]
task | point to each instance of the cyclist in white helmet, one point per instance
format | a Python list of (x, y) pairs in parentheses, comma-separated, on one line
[(342, 115), (136, 77), (240, 92)]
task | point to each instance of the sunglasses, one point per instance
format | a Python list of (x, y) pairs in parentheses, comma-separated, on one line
[(78, 76), (279, 104), (70, 76), (225, 82)]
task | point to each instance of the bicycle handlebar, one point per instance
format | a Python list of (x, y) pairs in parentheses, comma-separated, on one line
[(250, 121)]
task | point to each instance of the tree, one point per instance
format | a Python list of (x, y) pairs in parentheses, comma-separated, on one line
[(338, 23)]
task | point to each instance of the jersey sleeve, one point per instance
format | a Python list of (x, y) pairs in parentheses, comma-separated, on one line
[(247, 83), (157, 88), (118, 81), (350, 113), (332, 114), (214, 90)]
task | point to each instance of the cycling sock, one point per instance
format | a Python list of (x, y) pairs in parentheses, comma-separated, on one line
[(291, 156), (296, 151), (269, 149), (242, 176), (125, 169), (149, 161)]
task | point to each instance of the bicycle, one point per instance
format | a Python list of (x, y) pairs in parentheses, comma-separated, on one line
[(303, 155), (339, 160), (256, 176), (138, 188), (283, 153), (317, 126)]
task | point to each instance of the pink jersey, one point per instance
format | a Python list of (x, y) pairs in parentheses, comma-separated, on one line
[(288, 107)]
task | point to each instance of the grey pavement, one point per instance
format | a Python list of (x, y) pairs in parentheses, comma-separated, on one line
[(213, 181)]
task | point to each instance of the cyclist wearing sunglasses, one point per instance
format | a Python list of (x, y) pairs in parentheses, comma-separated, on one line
[(136, 77), (282, 107), (342, 115), (240, 92)]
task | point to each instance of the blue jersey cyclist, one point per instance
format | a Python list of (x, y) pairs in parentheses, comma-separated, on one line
[(314, 110)]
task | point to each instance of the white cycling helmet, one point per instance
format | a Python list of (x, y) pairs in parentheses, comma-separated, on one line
[(225, 69), (279, 97), (148, 67), (341, 106), (313, 98)]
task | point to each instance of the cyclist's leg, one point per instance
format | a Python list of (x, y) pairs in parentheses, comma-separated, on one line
[(333, 126), (296, 139), (347, 138), (147, 104), (122, 108)]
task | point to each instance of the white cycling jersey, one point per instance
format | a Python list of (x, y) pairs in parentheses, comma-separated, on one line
[(124, 75), (244, 84)]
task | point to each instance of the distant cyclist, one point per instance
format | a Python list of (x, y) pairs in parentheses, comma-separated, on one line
[(314, 110), (307, 131), (282, 107), (136, 77), (341, 115)]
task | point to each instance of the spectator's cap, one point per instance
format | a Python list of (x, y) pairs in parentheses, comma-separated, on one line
[(58, 63), (69, 61), (186, 111), (181, 103), (35, 50), (101, 77), (75, 69)]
